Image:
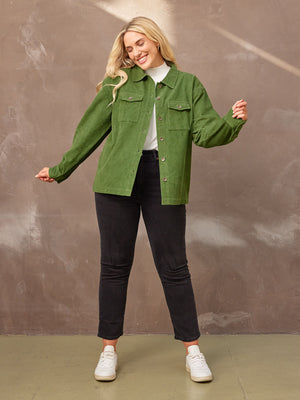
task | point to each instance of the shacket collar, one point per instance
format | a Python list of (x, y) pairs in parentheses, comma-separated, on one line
[(138, 74)]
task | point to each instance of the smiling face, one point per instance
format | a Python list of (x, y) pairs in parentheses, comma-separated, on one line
[(142, 51)]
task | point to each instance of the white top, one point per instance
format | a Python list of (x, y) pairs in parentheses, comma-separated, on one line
[(157, 74)]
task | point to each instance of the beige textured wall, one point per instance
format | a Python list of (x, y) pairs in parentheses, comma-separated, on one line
[(243, 215)]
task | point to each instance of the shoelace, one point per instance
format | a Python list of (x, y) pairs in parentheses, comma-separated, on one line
[(106, 359), (198, 358)]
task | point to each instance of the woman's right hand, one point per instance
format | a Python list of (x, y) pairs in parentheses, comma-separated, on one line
[(43, 175)]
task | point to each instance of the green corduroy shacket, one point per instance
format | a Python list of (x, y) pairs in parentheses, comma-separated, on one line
[(184, 114)]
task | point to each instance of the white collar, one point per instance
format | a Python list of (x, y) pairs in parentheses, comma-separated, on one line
[(158, 73)]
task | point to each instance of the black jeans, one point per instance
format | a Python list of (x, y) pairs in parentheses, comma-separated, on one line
[(118, 218)]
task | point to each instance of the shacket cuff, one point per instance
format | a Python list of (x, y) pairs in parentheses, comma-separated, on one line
[(55, 174)]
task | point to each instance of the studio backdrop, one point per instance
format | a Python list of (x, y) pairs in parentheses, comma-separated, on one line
[(243, 216)]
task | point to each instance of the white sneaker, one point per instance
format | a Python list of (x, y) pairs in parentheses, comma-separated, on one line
[(196, 365), (107, 365)]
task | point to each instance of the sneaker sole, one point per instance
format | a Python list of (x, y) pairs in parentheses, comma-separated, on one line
[(207, 378), (105, 378)]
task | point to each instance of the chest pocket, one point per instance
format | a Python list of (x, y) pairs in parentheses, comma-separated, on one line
[(179, 115), (129, 107)]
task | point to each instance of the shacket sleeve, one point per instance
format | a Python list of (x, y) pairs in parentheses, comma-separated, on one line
[(92, 129), (208, 128)]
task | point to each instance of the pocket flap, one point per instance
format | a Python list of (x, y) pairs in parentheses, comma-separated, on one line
[(131, 97), (179, 105)]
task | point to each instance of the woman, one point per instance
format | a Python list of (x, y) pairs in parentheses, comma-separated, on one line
[(150, 113)]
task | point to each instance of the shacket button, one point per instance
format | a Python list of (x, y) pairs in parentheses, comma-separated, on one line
[(161, 139), (160, 118), (165, 179), (179, 106), (163, 159), (130, 98), (158, 98), (159, 86)]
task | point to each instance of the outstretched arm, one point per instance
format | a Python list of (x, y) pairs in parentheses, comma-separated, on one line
[(92, 129)]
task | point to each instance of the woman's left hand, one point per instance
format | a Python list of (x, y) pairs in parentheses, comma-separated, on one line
[(240, 110)]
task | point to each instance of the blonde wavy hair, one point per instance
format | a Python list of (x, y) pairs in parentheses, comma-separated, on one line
[(119, 57)]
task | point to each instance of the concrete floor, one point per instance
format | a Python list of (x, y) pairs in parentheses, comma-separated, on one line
[(252, 367)]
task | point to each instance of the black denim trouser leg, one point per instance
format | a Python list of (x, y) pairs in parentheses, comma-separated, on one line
[(118, 218)]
